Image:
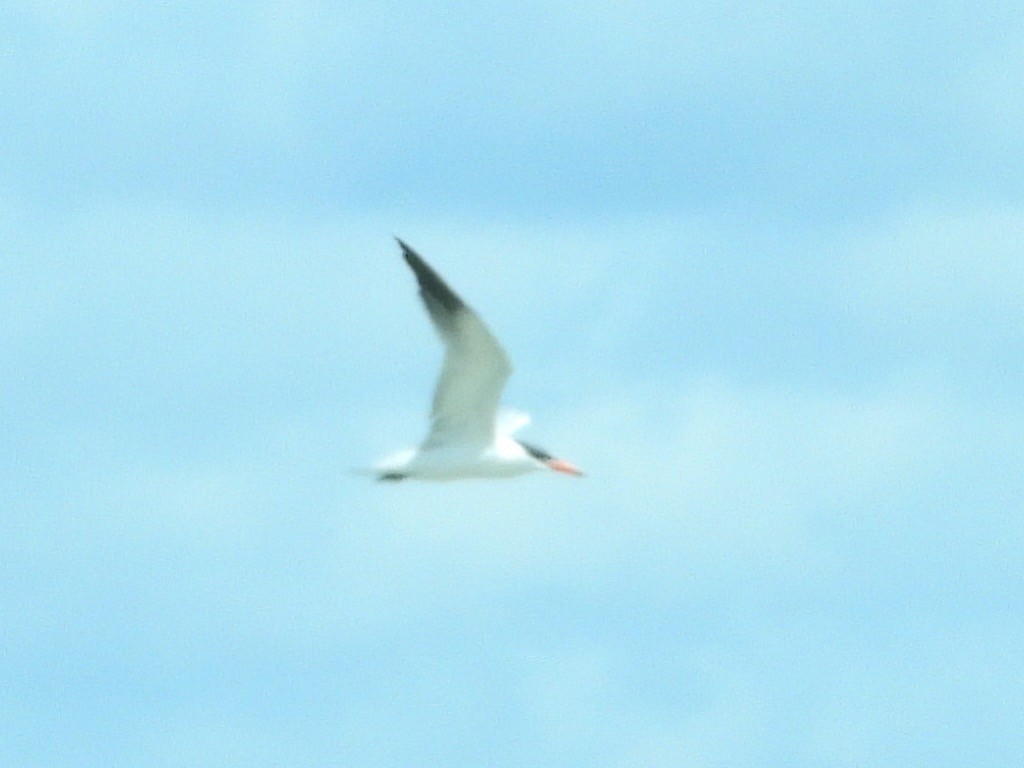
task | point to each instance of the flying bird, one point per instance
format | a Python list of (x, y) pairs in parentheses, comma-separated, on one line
[(469, 436)]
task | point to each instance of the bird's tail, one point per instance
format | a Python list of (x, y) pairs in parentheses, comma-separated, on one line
[(380, 475), (390, 469)]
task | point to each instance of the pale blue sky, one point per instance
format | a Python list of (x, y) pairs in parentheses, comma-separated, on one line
[(759, 268)]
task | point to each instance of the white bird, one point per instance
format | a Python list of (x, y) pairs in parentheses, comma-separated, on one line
[(469, 437)]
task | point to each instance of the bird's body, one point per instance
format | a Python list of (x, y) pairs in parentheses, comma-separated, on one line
[(504, 457), (469, 437)]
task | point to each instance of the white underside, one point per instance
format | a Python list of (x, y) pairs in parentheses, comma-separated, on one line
[(503, 458)]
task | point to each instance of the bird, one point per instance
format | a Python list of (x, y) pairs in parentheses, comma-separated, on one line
[(469, 436)]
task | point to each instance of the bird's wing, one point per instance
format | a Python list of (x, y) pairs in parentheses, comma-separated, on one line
[(475, 365), (509, 421)]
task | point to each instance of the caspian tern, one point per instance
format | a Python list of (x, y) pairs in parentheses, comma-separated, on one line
[(469, 437)]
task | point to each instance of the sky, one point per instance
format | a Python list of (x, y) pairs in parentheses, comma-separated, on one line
[(758, 267)]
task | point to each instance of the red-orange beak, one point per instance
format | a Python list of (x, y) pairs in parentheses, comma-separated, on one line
[(560, 465)]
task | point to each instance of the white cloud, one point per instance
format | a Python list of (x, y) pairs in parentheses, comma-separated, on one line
[(277, 74), (686, 475), (987, 92), (685, 489), (69, 18), (941, 266), (754, 558)]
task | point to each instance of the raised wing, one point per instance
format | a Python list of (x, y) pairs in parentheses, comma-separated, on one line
[(475, 365)]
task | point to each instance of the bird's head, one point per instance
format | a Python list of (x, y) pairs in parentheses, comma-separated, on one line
[(549, 461)]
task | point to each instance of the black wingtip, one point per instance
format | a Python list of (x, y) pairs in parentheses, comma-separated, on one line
[(431, 283), (412, 258)]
